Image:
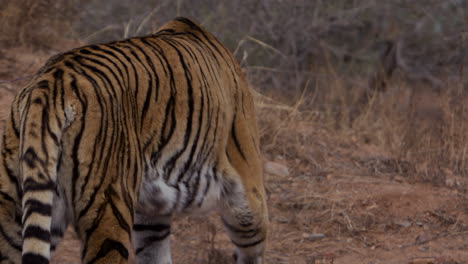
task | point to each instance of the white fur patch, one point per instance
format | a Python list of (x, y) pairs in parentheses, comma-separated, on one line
[(36, 246), (157, 197), (70, 113)]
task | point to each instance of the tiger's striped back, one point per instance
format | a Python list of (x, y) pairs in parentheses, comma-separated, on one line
[(115, 138)]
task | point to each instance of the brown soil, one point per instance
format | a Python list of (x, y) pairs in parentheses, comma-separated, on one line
[(343, 201)]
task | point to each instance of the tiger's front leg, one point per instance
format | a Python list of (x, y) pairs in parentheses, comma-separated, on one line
[(151, 239)]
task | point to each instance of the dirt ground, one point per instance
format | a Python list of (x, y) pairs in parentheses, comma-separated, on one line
[(337, 201)]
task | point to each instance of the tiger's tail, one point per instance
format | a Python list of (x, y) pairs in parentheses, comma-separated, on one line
[(40, 150)]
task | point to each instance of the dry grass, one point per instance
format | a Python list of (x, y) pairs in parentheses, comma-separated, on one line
[(423, 131)]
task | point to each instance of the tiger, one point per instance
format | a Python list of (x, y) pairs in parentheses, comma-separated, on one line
[(115, 139)]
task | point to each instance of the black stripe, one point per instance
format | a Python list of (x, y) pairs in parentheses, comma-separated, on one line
[(6, 149), (114, 55), (157, 52), (37, 101), (77, 141), (135, 86), (209, 48), (31, 185), (58, 77), (44, 127), (33, 206), (171, 102), (110, 142), (205, 192), (168, 118), (44, 84), (170, 165), (125, 165), (107, 52), (103, 130), (150, 72), (136, 179), (34, 231), (30, 158), (153, 228), (32, 258), (130, 46), (150, 240), (195, 143), (6, 196), (205, 151), (124, 64), (236, 140), (192, 190), (14, 123), (213, 45), (95, 224), (188, 22), (10, 241), (102, 64), (236, 229), (215, 175), (107, 246), (58, 232), (167, 30), (120, 219), (99, 73), (79, 135), (252, 244)]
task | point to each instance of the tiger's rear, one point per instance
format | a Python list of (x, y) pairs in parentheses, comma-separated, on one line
[(116, 138)]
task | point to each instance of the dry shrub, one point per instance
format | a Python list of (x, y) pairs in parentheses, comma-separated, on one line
[(422, 129), (288, 133)]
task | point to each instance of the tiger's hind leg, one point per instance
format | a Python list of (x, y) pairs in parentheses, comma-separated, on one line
[(244, 216), (243, 198), (59, 221), (10, 230), (152, 239), (105, 230), (10, 201)]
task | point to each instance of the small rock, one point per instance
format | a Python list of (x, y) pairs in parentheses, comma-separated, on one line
[(420, 224), (276, 169), (423, 238), (403, 223), (423, 248), (313, 237)]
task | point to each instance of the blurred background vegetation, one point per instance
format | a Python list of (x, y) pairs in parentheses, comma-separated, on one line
[(279, 42), (389, 73)]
